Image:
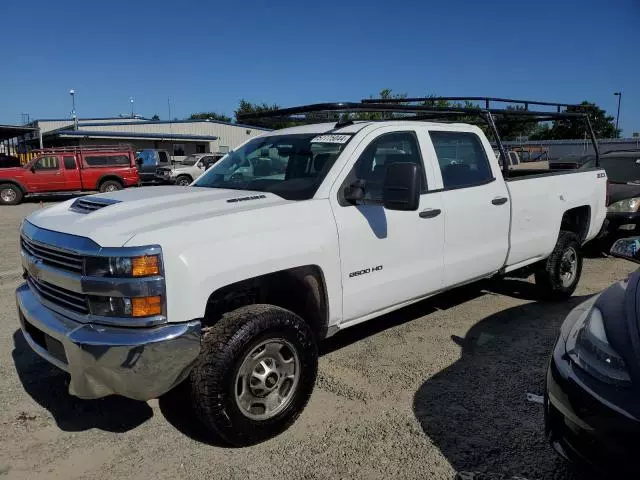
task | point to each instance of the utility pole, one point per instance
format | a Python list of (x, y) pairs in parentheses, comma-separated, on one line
[(131, 100), (619, 95), (72, 92)]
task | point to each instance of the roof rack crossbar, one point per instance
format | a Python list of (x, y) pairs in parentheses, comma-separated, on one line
[(487, 101)]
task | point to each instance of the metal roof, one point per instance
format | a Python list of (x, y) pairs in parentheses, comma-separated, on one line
[(12, 131), (131, 135)]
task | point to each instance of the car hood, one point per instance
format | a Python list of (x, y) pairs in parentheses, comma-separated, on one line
[(141, 210), (12, 171), (622, 191)]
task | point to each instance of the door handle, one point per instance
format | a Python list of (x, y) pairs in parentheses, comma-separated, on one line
[(58, 173), (499, 200), (430, 213)]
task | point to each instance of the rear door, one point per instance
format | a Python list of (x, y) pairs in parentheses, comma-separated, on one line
[(46, 174), (476, 206), (387, 256), (72, 178)]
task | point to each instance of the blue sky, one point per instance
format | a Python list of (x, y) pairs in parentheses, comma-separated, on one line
[(207, 55)]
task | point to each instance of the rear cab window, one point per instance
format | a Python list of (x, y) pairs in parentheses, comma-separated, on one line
[(69, 162), (462, 159), (107, 160)]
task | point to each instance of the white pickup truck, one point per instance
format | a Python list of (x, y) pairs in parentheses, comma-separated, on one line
[(230, 283)]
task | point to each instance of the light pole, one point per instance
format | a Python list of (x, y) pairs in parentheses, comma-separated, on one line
[(131, 100), (619, 95), (72, 92)]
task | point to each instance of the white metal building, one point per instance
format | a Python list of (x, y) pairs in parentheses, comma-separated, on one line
[(179, 137)]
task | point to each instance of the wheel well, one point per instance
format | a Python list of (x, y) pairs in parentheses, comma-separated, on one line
[(13, 182), (106, 178), (301, 290), (577, 220), (185, 175)]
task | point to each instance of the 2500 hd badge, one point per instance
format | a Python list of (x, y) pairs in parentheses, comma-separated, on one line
[(365, 271)]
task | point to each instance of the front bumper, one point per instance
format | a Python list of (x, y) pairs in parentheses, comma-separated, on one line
[(139, 363), (628, 220), (587, 427)]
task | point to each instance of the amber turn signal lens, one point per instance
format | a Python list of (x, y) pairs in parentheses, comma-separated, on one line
[(145, 266), (146, 306)]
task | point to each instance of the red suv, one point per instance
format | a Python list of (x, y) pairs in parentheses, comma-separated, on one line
[(70, 169)]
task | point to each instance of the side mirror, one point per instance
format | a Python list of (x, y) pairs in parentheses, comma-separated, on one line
[(401, 190), (628, 248), (354, 192), (33, 169)]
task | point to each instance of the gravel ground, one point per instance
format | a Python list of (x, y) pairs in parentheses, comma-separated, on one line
[(431, 390)]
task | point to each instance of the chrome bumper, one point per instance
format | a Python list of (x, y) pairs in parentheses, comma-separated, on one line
[(139, 363)]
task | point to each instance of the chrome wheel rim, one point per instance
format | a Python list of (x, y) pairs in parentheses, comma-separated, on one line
[(183, 182), (111, 188), (568, 266), (8, 195), (267, 379)]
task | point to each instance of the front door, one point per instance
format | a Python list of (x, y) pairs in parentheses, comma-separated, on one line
[(476, 204), (387, 257), (46, 175)]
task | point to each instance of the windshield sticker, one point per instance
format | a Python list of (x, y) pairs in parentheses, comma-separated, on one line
[(331, 139)]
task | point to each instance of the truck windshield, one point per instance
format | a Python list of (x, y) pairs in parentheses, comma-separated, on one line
[(290, 166)]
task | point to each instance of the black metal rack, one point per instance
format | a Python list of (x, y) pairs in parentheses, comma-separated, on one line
[(339, 112)]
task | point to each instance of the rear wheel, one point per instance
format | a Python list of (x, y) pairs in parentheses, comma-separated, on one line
[(10, 194), (255, 373), (183, 180), (110, 186), (558, 276)]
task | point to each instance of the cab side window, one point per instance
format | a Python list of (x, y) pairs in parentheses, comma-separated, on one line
[(69, 163), (46, 163), (397, 147), (462, 159)]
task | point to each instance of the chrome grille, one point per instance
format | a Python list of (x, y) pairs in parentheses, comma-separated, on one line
[(59, 296), (62, 259), (88, 205)]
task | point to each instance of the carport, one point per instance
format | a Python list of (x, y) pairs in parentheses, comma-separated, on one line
[(12, 137)]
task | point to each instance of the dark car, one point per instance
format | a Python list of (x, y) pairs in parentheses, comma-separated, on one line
[(148, 161), (8, 161), (592, 401), (623, 175)]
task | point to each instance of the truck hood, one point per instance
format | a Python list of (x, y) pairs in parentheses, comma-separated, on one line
[(142, 210)]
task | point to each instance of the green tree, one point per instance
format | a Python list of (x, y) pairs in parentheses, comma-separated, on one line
[(602, 123), (385, 94), (210, 116), (248, 108), (155, 117)]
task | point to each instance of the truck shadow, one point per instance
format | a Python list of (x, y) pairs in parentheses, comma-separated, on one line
[(48, 386), (175, 405), (476, 411)]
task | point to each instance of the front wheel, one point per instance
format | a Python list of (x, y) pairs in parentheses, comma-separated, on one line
[(255, 373), (183, 181), (558, 276), (10, 194)]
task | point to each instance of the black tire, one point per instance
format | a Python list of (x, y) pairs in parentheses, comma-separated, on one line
[(225, 346), (183, 180), (10, 194), (110, 186), (549, 281)]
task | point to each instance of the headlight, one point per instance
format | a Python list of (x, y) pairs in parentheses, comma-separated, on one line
[(589, 348), (125, 307), (144, 266), (629, 205)]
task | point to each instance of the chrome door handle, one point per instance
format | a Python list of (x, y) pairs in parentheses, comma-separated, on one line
[(499, 200), (430, 213)]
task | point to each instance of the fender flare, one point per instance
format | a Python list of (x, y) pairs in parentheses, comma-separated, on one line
[(15, 182)]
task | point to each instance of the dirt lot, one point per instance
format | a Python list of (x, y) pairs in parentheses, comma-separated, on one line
[(435, 388)]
